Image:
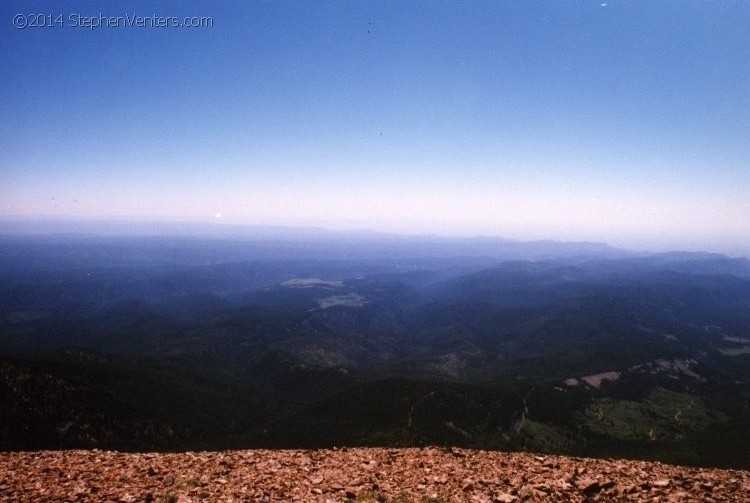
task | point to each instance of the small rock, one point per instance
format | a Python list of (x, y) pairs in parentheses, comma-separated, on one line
[(526, 492), (588, 485), (505, 498), (625, 488), (480, 498), (607, 484)]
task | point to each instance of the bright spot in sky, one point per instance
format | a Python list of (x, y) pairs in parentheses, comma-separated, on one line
[(218, 215)]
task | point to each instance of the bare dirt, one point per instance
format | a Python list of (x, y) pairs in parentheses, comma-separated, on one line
[(383, 475)]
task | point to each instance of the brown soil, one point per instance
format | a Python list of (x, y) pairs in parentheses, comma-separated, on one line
[(392, 475)]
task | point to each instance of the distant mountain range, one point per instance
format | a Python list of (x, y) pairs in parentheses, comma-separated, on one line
[(175, 342)]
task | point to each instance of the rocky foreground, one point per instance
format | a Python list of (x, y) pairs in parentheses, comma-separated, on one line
[(382, 475)]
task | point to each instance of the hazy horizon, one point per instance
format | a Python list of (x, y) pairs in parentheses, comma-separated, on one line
[(215, 229), (616, 122)]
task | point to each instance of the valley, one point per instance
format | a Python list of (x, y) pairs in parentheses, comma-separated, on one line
[(596, 353)]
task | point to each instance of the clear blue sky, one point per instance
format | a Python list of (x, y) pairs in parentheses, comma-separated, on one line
[(627, 122)]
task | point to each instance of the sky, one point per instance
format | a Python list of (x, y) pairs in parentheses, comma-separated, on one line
[(617, 121)]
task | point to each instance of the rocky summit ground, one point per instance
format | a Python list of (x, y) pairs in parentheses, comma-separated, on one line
[(381, 475)]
